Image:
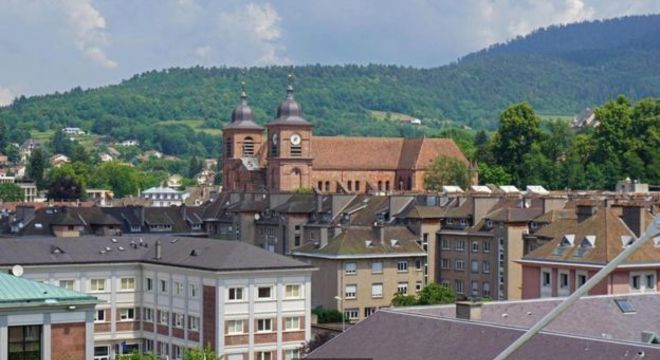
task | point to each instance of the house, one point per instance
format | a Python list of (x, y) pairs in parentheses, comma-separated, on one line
[(105, 157), (59, 159), (29, 191), (4, 178), (102, 197), (129, 142), (164, 294), (3, 159), (44, 321), (575, 249), (164, 196), (73, 131), (205, 177), (174, 181), (610, 327), (586, 118)]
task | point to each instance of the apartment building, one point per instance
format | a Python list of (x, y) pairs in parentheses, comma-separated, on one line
[(40, 321), (362, 268), (576, 249), (164, 294)]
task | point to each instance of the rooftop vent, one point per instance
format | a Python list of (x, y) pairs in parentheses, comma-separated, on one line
[(114, 240), (194, 252), (56, 250), (468, 310), (121, 248), (174, 240)]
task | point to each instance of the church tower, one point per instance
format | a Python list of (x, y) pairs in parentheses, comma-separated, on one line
[(289, 147), (243, 142)]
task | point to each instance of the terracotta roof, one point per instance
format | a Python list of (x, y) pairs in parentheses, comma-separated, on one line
[(607, 228), (371, 153)]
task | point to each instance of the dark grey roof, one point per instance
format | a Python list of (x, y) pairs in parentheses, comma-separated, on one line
[(593, 316), (213, 255), (242, 117), (290, 111), (394, 335)]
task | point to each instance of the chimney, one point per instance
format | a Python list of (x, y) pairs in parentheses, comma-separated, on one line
[(553, 203), (378, 233), (158, 249), (633, 216), (468, 310), (585, 211), (482, 206)]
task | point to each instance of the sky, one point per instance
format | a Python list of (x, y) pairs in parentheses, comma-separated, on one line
[(55, 45)]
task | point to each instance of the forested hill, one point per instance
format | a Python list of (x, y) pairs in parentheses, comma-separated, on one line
[(560, 71)]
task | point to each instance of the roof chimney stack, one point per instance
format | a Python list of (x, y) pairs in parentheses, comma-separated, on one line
[(585, 211), (158, 250), (468, 310)]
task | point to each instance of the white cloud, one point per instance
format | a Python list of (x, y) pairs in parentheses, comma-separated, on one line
[(6, 96), (252, 35), (89, 30), (203, 52)]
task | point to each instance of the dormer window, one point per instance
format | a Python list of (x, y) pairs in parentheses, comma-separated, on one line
[(589, 241), (489, 223), (533, 225), (368, 243), (394, 243), (627, 240), (568, 240)]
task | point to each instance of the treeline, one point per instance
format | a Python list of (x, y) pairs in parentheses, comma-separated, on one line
[(525, 151)]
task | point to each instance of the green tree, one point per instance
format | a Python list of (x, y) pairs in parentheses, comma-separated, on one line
[(496, 175), (400, 299), (10, 192), (37, 167), (434, 293), (519, 131), (122, 179), (65, 188), (445, 170), (137, 356), (195, 167), (200, 354), (60, 143)]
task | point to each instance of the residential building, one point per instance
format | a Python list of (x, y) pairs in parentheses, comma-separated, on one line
[(29, 191), (163, 196), (59, 159), (73, 131), (575, 249), (165, 294), (42, 321)]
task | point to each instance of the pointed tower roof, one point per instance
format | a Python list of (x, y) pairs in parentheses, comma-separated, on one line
[(241, 117), (289, 112)]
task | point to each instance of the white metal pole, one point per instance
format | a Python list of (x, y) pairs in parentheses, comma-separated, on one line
[(651, 231)]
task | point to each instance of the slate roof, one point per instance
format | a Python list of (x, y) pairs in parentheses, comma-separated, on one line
[(353, 242), (17, 291), (591, 316), (211, 254), (425, 212), (389, 334), (608, 229), (370, 153), (515, 214)]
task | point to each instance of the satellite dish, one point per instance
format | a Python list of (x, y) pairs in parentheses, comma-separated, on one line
[(17, 270)]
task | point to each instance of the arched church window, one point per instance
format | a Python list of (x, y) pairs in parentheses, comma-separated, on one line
[(248, 146), (229, 148)]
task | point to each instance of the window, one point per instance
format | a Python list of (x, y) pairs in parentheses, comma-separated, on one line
[(296, 150), (460, 245), (650, 281), (265, 292), (264, 325), (458, 286), (351, 314), (127, 284), (194, 290), (377, 267), (402, 266), (475, 266), (546, 282), (177, 320), (350, 185), (580, 278), (485, 267), (486, 246), (163, 286), (402, 288), (101, 352), (546, 278), (350, 291), (97, 285), (177, 287), (176, 351), (292, 355), (459, 265), (643, 281), (235, 327), (475, 288), (486, 289), (387, 185), (425, 241), (148, 314), (625, 306), (419, 265), (67, 284), (164, 318), (24, 342), (193, 323), (350, 268), (229, 148), (445, 244), (377, 290), (475, 246), (445, 263), (292, 323), (368, 311), (264, 355), (248, 146), (127, 314), (99, 316), (236, 294), (418, 286), (164, 349), (292, 291), (149, 284)]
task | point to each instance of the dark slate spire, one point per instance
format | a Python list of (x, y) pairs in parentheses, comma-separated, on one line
[(290, 111), (242, 116)]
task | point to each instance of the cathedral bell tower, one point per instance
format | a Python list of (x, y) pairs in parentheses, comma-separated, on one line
[(242, 143), (289, 147)]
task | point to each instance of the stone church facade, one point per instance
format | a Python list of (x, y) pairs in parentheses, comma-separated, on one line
[(286, 156)]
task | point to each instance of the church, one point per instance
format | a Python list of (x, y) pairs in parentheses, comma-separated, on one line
[(286, 156)]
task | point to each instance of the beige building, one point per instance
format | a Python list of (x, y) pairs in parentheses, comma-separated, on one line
[(362, 268)]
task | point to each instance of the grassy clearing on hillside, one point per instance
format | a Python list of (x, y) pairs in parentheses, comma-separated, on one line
[(394, 116), (195, 124)]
